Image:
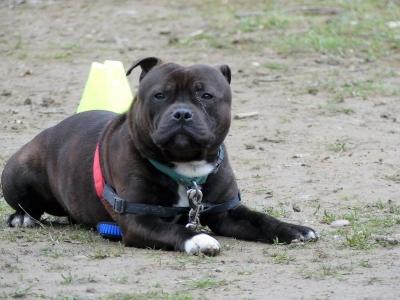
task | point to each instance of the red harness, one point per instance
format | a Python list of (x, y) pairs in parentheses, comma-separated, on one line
[(98, 174)]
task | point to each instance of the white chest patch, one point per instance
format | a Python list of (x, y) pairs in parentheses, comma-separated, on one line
[(190, 169), (183, 199), (194, 168)]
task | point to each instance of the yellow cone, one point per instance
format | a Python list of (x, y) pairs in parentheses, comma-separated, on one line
[(107, 88)]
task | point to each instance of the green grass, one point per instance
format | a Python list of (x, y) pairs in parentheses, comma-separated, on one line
[(336, 109), (152, 295), (359, 237), (281, 258), (338, 146), (359, 29), (279, 211), (53, 252), (326, 271), (18, 293), (206, 283), (328, 217), (393, 177), (275, 66), (67, 279), (378, 218)]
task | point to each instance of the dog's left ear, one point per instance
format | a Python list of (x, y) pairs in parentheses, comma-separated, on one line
[(226, 71), (146, 64)]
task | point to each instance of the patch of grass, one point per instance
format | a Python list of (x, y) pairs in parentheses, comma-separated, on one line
[(275, 66), (67, 279), (88, 279), (20, 293), (153, 295), (71, 46), (335, 108), (328, 218), (338, 146), (102, 253), (215, 40), (393, 177), (62, 55), (263, 190), (374, 280), (120, 279), (18, 43), (363, 225), (359, 237), (345, 34), (52, 252), (342, 89), (319, 255), (326, 271), (277, 212), (243, 272), (281, 258), (182, 260), (206, 283), (365, 263), (379, 218), (360, 28), (388, 207), (266, 21), (362, 89)]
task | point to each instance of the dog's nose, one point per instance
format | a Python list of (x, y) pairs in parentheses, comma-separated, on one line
[(182, 114)]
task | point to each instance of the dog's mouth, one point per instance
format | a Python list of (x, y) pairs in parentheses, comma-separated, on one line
[(182, 142)]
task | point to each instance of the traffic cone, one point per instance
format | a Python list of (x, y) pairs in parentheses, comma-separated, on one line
[(107, 88)]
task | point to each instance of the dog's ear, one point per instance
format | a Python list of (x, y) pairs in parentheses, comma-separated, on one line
[(146, 64), (226, 71)]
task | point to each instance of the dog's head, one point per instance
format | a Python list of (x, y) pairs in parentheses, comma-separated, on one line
[(180, 113)]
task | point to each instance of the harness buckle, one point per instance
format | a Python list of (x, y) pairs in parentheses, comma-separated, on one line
[(119, 205)]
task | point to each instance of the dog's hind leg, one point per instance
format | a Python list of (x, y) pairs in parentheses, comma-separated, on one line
[(19, 193), (22, 184)]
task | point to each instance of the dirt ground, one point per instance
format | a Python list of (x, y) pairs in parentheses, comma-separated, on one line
[(324, 144)]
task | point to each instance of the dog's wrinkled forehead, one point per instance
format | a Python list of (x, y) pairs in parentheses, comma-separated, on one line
[(182, 77)]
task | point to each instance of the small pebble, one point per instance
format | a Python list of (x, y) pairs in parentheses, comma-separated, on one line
[(296, 208), (6, 93), (28, 101), (240, 116), (340, 223), (392, 240), (26, 73)]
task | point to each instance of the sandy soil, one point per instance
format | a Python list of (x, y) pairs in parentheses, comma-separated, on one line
[(300, 159)]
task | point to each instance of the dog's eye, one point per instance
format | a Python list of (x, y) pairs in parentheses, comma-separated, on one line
[(160, 96), (207, 96)]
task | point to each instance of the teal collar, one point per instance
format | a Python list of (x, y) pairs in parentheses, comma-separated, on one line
[(185, 180)]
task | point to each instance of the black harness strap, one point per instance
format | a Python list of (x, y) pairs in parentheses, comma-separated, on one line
[(210, 208), (122, 206)]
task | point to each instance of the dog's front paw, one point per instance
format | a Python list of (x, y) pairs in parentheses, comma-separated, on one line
[(290, 233), (202, 243)]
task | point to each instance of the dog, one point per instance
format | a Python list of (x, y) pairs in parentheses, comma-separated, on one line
[(159, 171)]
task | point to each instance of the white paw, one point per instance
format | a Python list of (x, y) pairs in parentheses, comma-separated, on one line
[(202, 243), (28, 221), (309, 236), (16, 221), (22, 221)]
